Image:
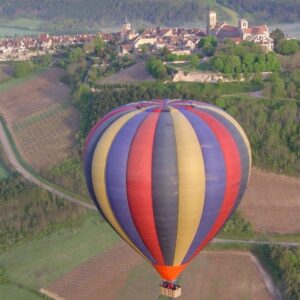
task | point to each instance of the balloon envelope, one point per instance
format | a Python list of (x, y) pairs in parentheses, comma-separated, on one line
[(167, 175)]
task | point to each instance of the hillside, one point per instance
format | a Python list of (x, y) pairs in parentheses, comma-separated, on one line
[(271, 10), (71, 13)]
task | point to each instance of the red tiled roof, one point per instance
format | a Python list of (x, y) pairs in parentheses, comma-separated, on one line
[(256, 29)]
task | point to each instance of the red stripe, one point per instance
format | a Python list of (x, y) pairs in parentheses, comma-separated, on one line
[(139, 185), (233, 173)]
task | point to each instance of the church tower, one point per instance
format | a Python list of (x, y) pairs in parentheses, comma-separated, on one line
[(211, 21), (243, 24), (126, 26)]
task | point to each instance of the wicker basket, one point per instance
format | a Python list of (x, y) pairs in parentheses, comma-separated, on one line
[(170, 293)]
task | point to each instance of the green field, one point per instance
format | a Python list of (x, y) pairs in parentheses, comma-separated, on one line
[(20, 27), (35, 264), (14, 292)]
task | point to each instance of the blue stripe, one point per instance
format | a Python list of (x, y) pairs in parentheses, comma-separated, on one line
[(116, 174)]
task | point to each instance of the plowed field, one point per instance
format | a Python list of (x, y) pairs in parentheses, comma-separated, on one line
[(121, 274), (272, 202)]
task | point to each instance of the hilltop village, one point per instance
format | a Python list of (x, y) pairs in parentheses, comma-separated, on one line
[(178, 41)]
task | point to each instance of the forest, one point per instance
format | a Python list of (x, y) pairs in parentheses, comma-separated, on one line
[(109, 12), (271, 125), (27, 211), (271, 10)]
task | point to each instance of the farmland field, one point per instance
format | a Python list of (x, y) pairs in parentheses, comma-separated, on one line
[(131, 74), (37, 263), (272, 203), (213, 275), (43, 121)]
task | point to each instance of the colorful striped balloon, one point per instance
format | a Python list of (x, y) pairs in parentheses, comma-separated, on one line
[(167, 175)]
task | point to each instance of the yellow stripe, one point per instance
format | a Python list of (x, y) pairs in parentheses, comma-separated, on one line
[(236, 125), (98, 174), (191, 177)]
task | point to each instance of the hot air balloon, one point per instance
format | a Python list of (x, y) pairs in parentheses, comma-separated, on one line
[(167, 175)]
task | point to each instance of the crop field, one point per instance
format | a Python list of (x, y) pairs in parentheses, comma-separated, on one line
[(33, 95), (272, 203), (45, 137), (37, 263), (43, 121), (131, 74), (213, 275)]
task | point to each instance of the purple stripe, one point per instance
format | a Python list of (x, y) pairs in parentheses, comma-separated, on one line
[(215, 178), (116, 169), (102, 125), (244, 155)]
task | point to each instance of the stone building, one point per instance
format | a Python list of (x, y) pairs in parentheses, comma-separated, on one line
[(242, 32)]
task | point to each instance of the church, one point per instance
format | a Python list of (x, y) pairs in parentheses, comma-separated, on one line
[(243, 32)]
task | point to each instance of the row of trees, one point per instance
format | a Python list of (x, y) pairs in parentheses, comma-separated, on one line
[(287, 266)]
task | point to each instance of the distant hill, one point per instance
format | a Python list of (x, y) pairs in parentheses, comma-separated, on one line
[(112, 12), (262, 10)]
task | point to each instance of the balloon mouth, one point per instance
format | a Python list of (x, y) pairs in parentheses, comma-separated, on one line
[(170, 273)]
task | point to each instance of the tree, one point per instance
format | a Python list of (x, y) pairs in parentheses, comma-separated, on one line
[(99, 45), (23, 68), (278, 86), (208, 45), (218, 64), (292, 90), (157, 68), (277, 35), (75, 54), (287, 47), (194, 61)]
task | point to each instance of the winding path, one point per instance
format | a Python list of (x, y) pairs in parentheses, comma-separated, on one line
[(18, 166)]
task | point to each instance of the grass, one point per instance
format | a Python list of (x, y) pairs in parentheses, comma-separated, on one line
[(14, 292), (37, 263), (5, 169), (22, 23), (20, 26), (3, 172)]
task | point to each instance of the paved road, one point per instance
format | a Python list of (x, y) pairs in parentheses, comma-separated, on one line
[(254, 242), (16, 164)]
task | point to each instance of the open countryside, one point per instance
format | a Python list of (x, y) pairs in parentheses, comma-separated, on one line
[(55, 87)]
